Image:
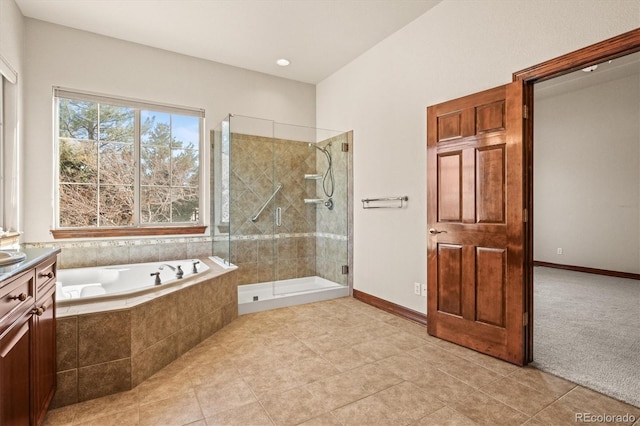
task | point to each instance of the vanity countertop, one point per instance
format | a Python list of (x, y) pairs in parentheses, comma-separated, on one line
[(34, 256)]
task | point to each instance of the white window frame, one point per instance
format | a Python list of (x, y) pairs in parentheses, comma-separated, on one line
[(137, 105), (8, 75), (2, 177)]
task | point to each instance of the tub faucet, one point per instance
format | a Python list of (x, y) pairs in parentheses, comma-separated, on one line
[(177, 269), (157, 275)]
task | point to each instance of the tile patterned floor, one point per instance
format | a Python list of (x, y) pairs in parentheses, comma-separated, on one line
[(339, 362)]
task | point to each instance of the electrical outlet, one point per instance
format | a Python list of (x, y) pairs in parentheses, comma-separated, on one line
[(423, 290), (416, 288), (559, 250)]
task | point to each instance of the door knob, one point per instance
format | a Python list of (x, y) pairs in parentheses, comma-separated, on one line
[(434, 231)]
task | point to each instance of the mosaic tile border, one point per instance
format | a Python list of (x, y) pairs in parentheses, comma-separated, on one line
[(181, 240), (119, 243), (283, 236)]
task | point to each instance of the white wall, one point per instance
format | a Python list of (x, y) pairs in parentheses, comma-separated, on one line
[(456, 48), (587, 176), (12, 50), (11, 40), (60, 56)]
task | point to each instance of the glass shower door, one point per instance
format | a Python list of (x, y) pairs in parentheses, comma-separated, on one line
[(311, 210), (294, 255), (286, 203), (220, 191), (252, 202)]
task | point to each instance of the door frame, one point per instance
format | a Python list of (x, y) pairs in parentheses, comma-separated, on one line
[(612, 48)]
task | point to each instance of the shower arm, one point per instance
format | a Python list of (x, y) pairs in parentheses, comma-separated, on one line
[(257, 215)]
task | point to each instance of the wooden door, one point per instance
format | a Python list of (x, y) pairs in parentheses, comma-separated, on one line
[(475, 216)]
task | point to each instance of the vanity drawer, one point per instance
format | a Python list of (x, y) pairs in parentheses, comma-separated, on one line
[(45, 276), (15, 296)]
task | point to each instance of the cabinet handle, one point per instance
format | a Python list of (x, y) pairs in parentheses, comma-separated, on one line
[(47, 275), (38, 311), (21, 297)]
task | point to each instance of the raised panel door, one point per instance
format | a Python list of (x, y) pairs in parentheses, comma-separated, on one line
[(475, 206)]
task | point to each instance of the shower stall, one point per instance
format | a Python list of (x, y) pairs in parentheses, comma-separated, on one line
[(281, 210)]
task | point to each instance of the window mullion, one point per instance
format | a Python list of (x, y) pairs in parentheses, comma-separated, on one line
[(171, 168), (136, 179), (98, 188)]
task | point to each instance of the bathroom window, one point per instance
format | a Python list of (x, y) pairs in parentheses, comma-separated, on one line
[(9, 165), (126, 165)]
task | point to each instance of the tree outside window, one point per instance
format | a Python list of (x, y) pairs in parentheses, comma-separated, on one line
[(126, 166)]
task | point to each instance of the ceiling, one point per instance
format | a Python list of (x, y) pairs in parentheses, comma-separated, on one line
[(317, 36), (622, 67)]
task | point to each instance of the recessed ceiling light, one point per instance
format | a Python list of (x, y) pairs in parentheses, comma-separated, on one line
[(590, 69), (283, 62)]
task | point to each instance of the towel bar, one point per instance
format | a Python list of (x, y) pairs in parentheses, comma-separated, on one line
[(366, 202)]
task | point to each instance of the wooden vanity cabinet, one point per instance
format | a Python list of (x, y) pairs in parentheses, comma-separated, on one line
[(44, 342), (15, 361), (28, 345)]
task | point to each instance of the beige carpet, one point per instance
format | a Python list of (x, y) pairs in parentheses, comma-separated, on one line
[(587, 330)]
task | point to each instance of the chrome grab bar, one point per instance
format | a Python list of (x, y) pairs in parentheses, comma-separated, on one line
[(257, 215)]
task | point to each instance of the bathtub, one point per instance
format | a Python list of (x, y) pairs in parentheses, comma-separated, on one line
[(125, 283), (262, 297), (125, 334)]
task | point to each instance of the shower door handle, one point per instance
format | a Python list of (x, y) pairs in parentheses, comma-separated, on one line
[(279, 216)]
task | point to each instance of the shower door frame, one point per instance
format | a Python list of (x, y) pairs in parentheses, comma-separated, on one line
[(347, 202), (270, 240)]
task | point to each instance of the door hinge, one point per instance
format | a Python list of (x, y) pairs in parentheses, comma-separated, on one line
[(525, 111), (525, 215), (525, 319), (345, 147), (345, 269)]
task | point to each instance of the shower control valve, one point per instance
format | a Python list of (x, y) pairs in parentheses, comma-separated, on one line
[(195, 267), (179, 272), (329, 204)]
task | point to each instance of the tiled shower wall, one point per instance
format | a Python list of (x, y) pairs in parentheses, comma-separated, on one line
[(302, 246), (331, 225)]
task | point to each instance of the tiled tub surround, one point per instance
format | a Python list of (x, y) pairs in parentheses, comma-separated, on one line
[(312, 239), (109, 351)]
